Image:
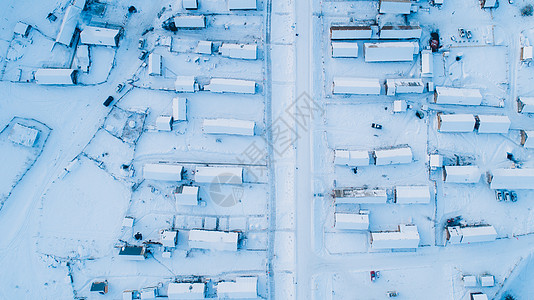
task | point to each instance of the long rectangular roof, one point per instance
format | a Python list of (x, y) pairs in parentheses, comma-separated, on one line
[(513, 179)]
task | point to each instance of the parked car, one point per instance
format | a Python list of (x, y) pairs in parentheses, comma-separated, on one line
[(108, 101), (376, 126)]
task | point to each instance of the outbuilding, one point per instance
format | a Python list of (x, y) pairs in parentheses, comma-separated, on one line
[(489, 3), (407, 237), (527, 138), (427, 63), (163, 172), (204, 47), (154, 64), (470, 281), (186, 195), (479, 296), (344, 49), (512, 179), (169, 238), (388, 51), (403, 7), (133, 252), (351, 32), (186, 290), (68, 25), (360, 196), (100, 286), (400, 32), (164, 123), (487, 280), (190, 22), (458, 96), (23, 135), (470, 234), (184, 84), (241, 4), (346, 221), (241, 51), (179, 109), (228, 126), (526, 53), (244, 287), (456, 123), (356, 86), (352, 158), (404, 86), (213, 240), (221, 175), (22, 29), (393, 156), (525, 105), (56, 76), (493, 124), (412, 194), (99, 36), (461, 174), (190, 4), (226, 85)]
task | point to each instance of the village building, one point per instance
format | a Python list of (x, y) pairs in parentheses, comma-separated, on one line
[(407, 237), (213, 240), (56, 76), (228, 126), (23, 135), (190, 4), (184, 84), (204, 47), (456, 123), (241, 51), (525, 105), (186, 290), (403, 7), (99, 36), (163, 172), (489, 3), (344, 49), (404, 86), (487, 280), (427, 63), (164, 123), (512, 179), (244, 287), (399, 106), (412, 194), (493, 124), (356, 86), (169, 238), (22, 29), (393, 156), (461, 174), (402, 32), (458, 96), (360, 196), (68, 25), (154, 64), (470, 234), (190, 22), (527, 138), (526, 53), (351, 32), (133, 252), (100, 286), (347, 221), (470, 281), (222, 175), (388, 51), (351, 158), (226, 85), (179, 109), (186, 195), (242, 4)]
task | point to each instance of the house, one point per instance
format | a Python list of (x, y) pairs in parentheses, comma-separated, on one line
[(190, 22), (133, 252), (344, 49), (154, 64), (399, 106), (479, 296), (204, 47), (244, 287), (169, 238), (404, 86), (127, 295), (82, 58), (222, 175), (22, 29), (393, 156), (470, 234), (179, 109), (79, 3), (184, 84), (526, 53), (149, 293), (436, 161), (407, 237), (456, 123), (213, 240), (351, 221), (163, 172), (351, 32), (186, 195), (23, 135), (241, 51), (470, 281), (512, 179), (351, 158), (356, 86), (487, 280), (458, 96), (228, 126), (241, 4), (492, 124), (190, 4), (68, 25), (99, 36), (100, 287), (461, 174), (489, 3), (403, 7), (427, 63), (225, 85), (127, 222), (164, 123), (412, 194), (400, 32), (186, 290), (527, 138), (56, 76), (525, 105), (360, 196), (388, 51)]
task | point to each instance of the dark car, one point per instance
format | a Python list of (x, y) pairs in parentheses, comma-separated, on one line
[(108, 101)]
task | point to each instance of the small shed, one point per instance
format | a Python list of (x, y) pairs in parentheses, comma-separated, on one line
[(356, 86), (22, 29), (184, 84), (154, 64), (133, 252), (186, 195), (241, 4), (213, 240), (412, 194), (352, 158), (525, 105), (461, 174), (351, 32), (82, 58), (127, 222), (204, 47), (228, 126), (68, 25), (400, 32), (456, 123), (100, 287), (222, 175), (493, 124), (399, 106), (393, 156), (388, 51), (56, 76), (403, 7), (100, 36), (479, 296), (179, 109), (226, 85), (489, 3), (241, 51), (470, 281), (527, 138), (404, 86), (360, 196), (487, 280), (436, 161), (190, 4), (164, 123), (458, 96), (23, 135), (186, 290), (351, 221), (243, 287), (149, 293), (475, 234), (163, 172), (190, 22), (512, 179), (169, 238), (344, 49), (427, 63), (127, 295), (407, 237), (526, 53)]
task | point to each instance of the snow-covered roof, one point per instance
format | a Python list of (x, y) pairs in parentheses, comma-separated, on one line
[(351, 158), (100, 36), (190, 21), (187, 195), (412, 194), (241, 4), (228, 126), (406, 238), (204, 47), (242, 51), (489, 3), (82, 57), (436, 161), (350, 32), (462, 174), (127, 295), (401, 155), (493, 124), (360, 195), (68, 25), (242, 287), (351, 221), (456, 123), (165, 172), (344, 49), (470, 281), (55, 76), (179, 109), (388, 51), (23, 135), (487, 280), (128, 222), (223, 175), (148, 293), (512, 179), (22, 28), (164, 123), (79, 3), (400, 32), (169, 238), (404, 86), (154, 64), (427, 63), (395, 7), (526, 52), (459, 96), (526, 104), (475, 234), (185, 290), (213, 240), (184, 84), (190, 4), (479, 296), (527, 138), (133, 252), (227, 85), (357, 86), (399, 106)]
